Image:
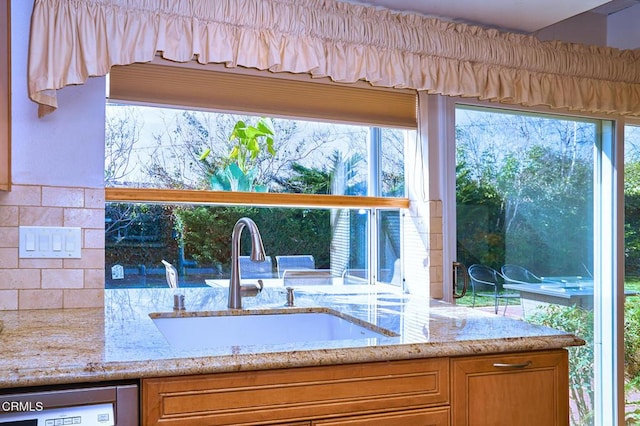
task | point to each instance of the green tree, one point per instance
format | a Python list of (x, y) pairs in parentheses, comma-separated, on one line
[(632, 218), (542, 200), (307, 180), (479, 220), (532, 177), (207, 232), (338, 175)]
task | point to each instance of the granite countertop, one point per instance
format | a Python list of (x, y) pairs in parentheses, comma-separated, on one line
[(41, 347)]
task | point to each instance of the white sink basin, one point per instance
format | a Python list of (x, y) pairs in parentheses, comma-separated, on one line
[(228, 328)]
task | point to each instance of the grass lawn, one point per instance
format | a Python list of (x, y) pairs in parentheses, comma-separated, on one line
[(632, 284), (483, 299)]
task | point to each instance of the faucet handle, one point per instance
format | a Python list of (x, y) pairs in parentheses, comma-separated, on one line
[(251, 290), (178, 302), (289, 296)]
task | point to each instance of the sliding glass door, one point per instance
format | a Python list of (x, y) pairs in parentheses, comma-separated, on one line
[(535, 206)]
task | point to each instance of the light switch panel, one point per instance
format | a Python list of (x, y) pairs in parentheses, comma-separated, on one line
[(53, 242), (56, 242)]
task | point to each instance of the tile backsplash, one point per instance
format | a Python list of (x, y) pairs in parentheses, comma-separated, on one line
[(52, 283)]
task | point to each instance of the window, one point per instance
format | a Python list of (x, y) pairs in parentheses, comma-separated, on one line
[(525, 191), (196, 239), (162, 148), (330, 190), (632, 271)]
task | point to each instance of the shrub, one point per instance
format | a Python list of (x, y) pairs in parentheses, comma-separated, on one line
[(579, 322)]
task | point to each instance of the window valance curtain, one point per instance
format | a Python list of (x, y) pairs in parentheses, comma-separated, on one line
[(72, 40)]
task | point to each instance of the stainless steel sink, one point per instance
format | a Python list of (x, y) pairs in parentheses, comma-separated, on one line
[(193, 330)]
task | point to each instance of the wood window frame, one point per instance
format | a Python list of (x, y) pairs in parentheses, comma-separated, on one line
[(265, 199), (5, 95)]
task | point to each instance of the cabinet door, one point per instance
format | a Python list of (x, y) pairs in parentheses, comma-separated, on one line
[(426, 417), (511, 390)]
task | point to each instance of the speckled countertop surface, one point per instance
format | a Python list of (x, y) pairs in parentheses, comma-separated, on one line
[(122, 342)]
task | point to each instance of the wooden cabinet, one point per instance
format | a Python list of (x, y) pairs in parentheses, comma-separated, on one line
[(511, 390), (424, 417), (298, 394), (5, 95), (514, 389)]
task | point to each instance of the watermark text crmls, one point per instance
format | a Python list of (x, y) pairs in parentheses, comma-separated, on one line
[(21, 406)]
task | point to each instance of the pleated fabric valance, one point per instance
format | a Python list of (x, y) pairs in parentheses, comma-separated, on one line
[(72, 40)]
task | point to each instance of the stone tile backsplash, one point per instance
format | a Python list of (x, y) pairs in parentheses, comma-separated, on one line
[(52, 283)]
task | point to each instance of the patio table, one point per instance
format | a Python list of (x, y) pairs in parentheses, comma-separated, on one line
[(568, 291)]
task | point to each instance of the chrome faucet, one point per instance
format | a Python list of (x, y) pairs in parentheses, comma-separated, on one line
[(236, 289)]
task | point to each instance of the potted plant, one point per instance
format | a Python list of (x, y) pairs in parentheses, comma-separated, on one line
[(240, 173)]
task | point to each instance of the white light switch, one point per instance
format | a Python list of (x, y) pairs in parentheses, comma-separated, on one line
[(56, 242), (43, 241), (50, 242), (30, 240)]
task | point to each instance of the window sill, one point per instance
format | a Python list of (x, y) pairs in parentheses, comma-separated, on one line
[(251, 198)]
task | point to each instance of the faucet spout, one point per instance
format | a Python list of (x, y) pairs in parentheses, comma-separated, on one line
[(257, 255)]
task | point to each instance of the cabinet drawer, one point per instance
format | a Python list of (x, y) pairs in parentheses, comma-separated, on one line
[(296, 394), (425, 417)]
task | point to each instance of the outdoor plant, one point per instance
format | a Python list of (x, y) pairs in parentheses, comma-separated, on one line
[(632, 360), (240, 173), (207, 232), (579, 322)]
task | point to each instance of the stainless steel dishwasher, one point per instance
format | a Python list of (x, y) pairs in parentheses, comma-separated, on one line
[(109, 405)]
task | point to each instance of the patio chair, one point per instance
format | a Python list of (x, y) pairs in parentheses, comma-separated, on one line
[(251, 269), (355, 276), (519, 275), (482, 276), (294, 263), (301, 277)]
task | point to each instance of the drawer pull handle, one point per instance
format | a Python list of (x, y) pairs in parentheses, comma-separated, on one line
[(519, 365)]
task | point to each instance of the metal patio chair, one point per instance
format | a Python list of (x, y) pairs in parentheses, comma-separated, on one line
[(519, 275), (294, 262), (484, 277), (250, 269)]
